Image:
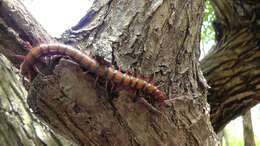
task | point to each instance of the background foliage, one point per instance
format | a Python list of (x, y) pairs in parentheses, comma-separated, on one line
[(234, 129), (207, 32)]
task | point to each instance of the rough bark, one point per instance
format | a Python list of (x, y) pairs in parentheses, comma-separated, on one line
[(18, 126), (220, 136), (232, 67), (249, 137), (151, 38)]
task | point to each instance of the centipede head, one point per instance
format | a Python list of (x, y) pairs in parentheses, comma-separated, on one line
[(26, 70), (160, 96)]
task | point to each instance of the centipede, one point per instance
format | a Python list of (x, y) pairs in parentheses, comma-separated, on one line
[(91, 65)]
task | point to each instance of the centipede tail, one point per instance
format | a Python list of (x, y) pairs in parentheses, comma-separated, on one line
[(91, 65)]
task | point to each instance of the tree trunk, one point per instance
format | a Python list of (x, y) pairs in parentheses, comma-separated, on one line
[(18, 126), (158, 39), (232, 67), (224, 140), (221, 136), (249, 139)]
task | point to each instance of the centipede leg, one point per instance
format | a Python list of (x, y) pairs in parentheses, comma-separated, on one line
[(162, 104), (149, 79), (25, 83), (35, 67), (120, 68), (96, 80), (90, 53), (136, 94), (106, 87), (40, 41), (113, 87), (86, 72), (27, 45), (29, 76), (174, 88), (81, 49), (47, 60)]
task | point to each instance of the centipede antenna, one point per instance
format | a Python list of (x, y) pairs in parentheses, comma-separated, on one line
[(150, 107), (19, 57)]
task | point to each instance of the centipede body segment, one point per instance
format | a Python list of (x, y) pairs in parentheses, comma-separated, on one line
[(89, 64)]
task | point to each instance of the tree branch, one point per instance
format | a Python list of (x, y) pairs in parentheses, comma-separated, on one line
[(232, 67)]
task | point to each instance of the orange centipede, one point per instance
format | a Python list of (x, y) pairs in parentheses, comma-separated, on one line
[(89, 64)]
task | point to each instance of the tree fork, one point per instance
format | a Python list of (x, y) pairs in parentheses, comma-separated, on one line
[(139, 36)]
